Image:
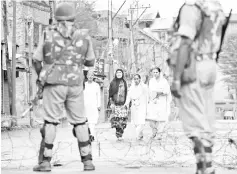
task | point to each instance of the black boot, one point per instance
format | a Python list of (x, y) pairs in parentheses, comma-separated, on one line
[(88, 165), (201, 152), (43, 163), (41, 152), (45, 166)]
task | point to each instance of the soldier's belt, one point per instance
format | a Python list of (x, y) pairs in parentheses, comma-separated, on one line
[(64, 64), (209, 56)]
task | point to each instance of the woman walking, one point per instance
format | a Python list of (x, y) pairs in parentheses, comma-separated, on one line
[(92, 102), (117, 98), (138, 96), (158, 102)]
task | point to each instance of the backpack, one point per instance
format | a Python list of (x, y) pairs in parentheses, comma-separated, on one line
[(206, 39)]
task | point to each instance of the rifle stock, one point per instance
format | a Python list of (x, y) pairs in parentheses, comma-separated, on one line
[(223, 34), (34, 102)]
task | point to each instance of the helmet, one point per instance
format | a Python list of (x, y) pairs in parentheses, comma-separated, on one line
[(65, 12)]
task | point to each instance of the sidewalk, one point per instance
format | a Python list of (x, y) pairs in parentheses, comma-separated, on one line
[(20, 147), (118, 170)]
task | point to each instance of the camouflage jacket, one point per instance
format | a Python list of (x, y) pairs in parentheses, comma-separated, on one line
[(202, 22), (64, 58)]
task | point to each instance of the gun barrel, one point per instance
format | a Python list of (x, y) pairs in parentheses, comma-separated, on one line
[(26, 111), (223, 33)]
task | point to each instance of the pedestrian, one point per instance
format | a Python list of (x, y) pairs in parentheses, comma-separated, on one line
[(63, 50), (158, 102), (92, 102), (196, 40), (138, 96), (117, 99)]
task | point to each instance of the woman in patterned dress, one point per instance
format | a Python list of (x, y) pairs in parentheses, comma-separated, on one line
[(117, 98)]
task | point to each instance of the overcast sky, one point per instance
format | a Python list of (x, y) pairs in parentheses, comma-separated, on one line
[(167, 8)]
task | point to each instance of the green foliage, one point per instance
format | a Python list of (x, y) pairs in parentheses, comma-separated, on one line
[(84, 18), (228, 60)]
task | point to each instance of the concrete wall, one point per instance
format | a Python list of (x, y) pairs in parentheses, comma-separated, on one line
[(25, 10)]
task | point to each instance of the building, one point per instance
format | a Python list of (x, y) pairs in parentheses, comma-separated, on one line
[(145, 20), (34, 14), (120, 37), (150, 51)]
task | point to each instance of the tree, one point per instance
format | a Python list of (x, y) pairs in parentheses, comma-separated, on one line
[(228, 60), (85, 12), (85, 16)]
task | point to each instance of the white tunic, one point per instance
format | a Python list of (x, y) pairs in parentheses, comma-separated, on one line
[(138, 95), (92, 101), (159, 107)]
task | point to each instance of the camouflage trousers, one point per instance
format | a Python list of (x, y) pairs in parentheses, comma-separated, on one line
[(58, 97), (197, 112), (55, 99), (197, 107)]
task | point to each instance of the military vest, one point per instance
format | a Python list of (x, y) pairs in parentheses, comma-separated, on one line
[(208, 37), (208, 40), (63, 58)]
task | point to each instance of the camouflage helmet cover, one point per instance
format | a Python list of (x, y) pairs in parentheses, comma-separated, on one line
[(65, 12)]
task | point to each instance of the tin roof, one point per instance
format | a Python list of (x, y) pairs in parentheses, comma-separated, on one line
[(147, 16), (162, 23)]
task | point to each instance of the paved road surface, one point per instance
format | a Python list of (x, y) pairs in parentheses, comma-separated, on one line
[(19, 152)]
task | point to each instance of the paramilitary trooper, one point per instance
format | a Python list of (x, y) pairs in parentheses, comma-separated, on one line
[(63, 51), (195, 41)]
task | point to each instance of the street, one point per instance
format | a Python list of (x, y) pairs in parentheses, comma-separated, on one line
[(173, 154), (94, 59), (119, 170)]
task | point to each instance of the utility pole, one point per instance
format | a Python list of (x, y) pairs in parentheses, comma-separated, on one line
[(133, 57), (30, 26), (30, 35), (110, 40), (51, 5), (133, 66), (14, 60), (118, 10), (8, 61)]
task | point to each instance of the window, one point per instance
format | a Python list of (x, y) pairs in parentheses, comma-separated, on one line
[(148, 25)]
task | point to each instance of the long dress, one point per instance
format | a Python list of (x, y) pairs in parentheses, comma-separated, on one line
[(119, 115), (159, 105), (138, 95), (92, 102)]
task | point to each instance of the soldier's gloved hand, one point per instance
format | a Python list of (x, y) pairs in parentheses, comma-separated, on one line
[(176, 88), (40, 89)]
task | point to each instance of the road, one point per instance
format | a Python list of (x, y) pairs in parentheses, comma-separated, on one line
[(173, 154)]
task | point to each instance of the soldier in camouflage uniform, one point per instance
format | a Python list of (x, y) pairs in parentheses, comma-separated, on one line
[(195, 42), (63, 51)]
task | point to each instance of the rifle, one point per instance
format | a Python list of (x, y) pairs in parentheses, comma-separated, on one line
[(34, 102), (7, 121), (224, 27)]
